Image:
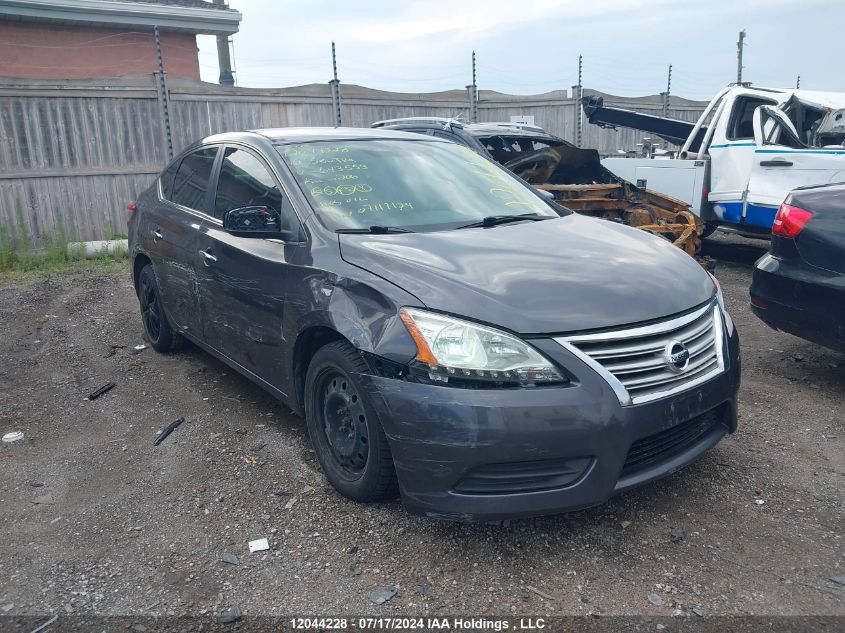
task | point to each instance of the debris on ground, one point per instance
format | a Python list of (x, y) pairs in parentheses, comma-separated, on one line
[(540, 593), (13, 436), (46, 624), (759, 502), (232, 614), (839, 580), (230, 558), (161, 435), (140, 348), (656, 600), (259, 545), (101, 390), (678, 535), (383, 594)]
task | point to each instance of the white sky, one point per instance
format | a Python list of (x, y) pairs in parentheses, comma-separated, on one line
[(532, 46)]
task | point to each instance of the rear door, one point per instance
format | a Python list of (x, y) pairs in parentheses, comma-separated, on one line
[(243, 279), (171, 234), (783, 163)]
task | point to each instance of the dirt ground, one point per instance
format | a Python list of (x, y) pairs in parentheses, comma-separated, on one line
[(97, 520)]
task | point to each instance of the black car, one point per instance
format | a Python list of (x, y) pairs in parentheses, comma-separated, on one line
[(799, 285), (447, 333)]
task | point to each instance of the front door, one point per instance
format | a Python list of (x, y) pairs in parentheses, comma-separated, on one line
[(243, 279), (782, 163), (731, 152)]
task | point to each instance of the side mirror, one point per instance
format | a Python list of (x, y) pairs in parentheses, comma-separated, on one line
[(253, 221), (546, 195)]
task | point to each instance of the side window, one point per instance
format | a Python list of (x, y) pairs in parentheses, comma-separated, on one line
[(244, 182), (167, 177), (191, 181), (741, 125)]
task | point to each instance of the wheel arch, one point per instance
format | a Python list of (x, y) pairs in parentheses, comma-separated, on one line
[(141, 260), (307, 343)]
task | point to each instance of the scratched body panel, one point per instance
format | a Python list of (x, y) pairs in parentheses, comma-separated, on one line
[(267, 306)]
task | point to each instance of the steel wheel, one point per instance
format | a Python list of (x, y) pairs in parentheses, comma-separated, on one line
[(344, 422), (345, 429)]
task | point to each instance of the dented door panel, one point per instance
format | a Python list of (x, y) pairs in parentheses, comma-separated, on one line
[(242, 289)]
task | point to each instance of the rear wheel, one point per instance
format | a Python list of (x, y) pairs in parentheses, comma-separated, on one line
[(347, 436), (157, 328)]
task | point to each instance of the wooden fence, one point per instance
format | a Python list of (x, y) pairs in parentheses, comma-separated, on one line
[(72, 154)]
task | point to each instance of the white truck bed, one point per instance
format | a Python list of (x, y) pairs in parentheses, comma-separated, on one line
[(682, 179)]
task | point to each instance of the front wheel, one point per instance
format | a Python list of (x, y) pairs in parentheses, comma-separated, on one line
[(157, 328), (347, 436)]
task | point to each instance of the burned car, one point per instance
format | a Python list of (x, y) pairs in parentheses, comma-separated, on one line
[(447, 332), (573, 176)]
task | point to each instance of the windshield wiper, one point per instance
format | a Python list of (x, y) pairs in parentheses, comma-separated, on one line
[(376, 230), (495, 220)]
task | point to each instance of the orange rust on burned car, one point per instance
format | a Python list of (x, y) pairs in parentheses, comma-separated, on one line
[(558, 170)]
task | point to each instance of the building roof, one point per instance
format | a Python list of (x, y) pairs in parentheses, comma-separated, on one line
[(194, 16)]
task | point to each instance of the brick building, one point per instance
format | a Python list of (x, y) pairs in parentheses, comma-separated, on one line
[(85, 39)]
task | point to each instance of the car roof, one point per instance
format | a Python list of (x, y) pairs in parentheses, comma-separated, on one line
[(307, 134)]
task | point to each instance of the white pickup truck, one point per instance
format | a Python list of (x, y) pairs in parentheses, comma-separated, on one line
[(750, 147)]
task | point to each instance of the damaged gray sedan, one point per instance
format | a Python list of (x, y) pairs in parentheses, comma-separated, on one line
[(448, 334)]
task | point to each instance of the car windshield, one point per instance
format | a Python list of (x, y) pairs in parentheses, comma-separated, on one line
[(417, 185)]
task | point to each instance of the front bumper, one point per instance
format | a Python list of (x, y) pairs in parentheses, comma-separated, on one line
[(800, 299), (444, 437)]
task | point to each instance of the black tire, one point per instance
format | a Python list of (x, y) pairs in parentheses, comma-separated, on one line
[(157, 329), (345, 431), (709, 229)]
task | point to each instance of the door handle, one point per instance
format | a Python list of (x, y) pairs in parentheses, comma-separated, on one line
[(207, 256), (777, 162), (157, 235)]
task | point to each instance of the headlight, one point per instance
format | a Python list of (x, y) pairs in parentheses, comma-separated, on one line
[(452, 348), (720, 298)]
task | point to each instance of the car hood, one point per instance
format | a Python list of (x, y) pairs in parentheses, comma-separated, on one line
[(560, 275)]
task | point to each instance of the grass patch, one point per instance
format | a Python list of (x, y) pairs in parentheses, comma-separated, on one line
[(70, 268), (19, 254)]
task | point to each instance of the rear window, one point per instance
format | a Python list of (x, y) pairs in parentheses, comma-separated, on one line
[(504, 149), (191, 182), (167, 177)]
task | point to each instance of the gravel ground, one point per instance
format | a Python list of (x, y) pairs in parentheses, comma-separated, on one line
[(96, 520)]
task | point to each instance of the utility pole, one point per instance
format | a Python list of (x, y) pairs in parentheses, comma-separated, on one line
[(473, 95), (798, 82), (163, 96), (579, 111), (668, 91), (335, 86), (224, 61), (739, 45)]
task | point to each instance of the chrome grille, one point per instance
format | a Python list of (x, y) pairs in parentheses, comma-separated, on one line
[(638, 362)]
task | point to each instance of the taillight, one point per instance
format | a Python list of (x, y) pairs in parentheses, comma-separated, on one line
[(790, 220)]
